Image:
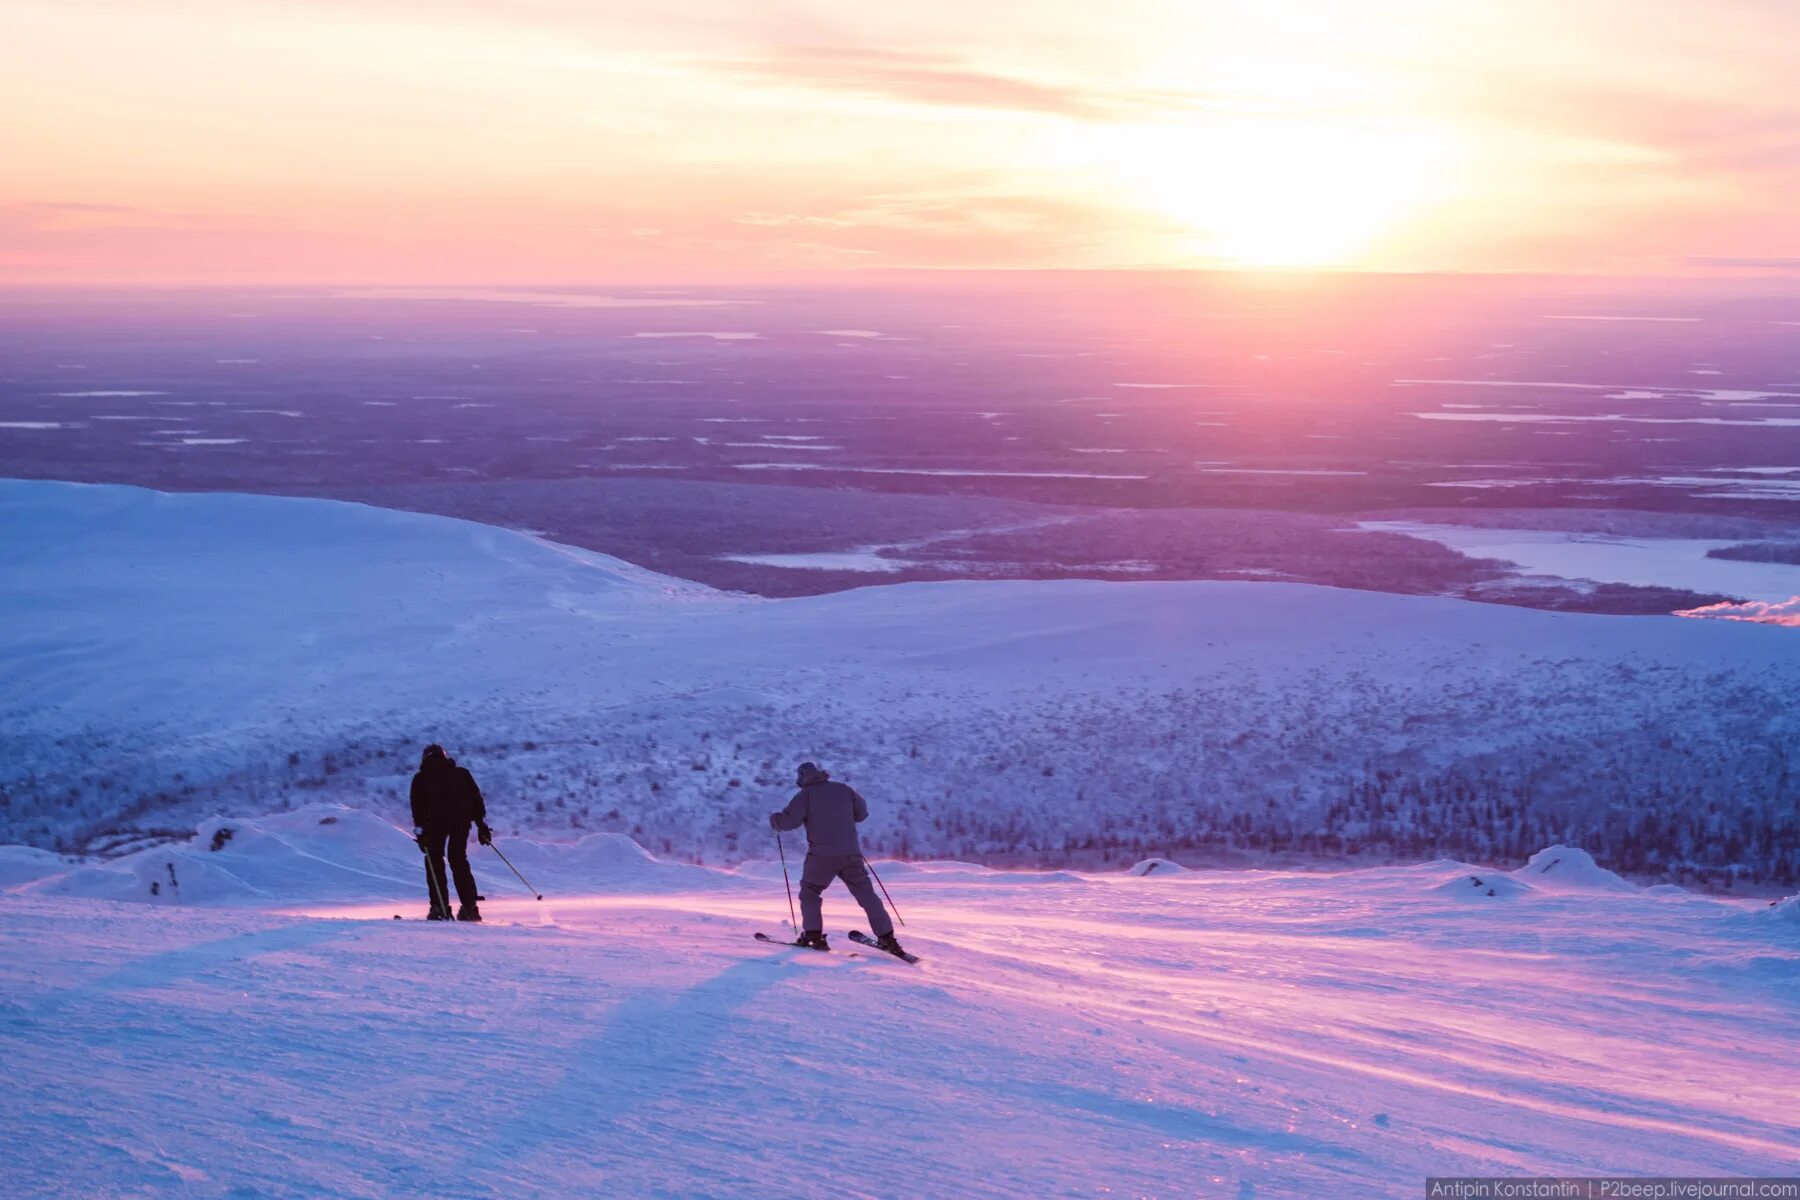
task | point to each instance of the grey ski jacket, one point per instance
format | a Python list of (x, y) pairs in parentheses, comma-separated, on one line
[(830, 812)]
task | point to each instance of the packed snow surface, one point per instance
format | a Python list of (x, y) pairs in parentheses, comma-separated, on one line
[(263, 1027)]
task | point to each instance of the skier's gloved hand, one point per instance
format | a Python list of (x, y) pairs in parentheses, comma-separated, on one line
[(419, 840), (485, 834)]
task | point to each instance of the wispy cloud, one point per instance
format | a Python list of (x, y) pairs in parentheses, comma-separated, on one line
[(75, 206), (940, 79), (1730, 262), (976, 222), (80, 215), (778, 220)]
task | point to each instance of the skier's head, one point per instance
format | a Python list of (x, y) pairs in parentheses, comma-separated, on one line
[(433, 753), (810, 773)]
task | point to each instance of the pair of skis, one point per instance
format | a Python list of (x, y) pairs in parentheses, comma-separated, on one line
[(856, 935)]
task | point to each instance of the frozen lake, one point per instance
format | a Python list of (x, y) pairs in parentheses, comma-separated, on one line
[(1645, 562), (841, 560)]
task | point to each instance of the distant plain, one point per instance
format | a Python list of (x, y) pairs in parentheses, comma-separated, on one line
[(795, 441)]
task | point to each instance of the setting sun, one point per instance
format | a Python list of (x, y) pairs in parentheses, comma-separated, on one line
[(1283, 192)]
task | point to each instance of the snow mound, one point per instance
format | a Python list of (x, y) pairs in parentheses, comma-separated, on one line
[(159, 876), (1567, 869), (941, 870), (322, 851), (935, 866), (328, 852), (1156, 866), (601, 862), (951, 871), (1483, 887), (21, 864), (1785, 911)]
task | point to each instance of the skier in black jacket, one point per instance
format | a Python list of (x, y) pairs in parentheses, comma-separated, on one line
[(445, 802), (831, 812)]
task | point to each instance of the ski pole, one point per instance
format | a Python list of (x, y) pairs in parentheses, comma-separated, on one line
[(431, 878), (884, 891), (515, 871), (793, 923)]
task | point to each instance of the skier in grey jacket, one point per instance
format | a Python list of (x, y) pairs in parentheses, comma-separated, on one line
[(831, 812)]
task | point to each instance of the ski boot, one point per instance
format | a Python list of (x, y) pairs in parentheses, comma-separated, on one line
[(437, 914), (468, 912), (889, 943), (812, 939)]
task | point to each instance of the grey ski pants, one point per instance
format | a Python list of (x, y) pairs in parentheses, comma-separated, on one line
[(816, 876)]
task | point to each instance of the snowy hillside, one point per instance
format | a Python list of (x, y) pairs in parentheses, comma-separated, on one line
[(165, 657), (265, 1028)]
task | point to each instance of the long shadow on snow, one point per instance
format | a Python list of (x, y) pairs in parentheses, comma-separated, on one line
[(652, 1045), (1172, 1120), (170, 966)]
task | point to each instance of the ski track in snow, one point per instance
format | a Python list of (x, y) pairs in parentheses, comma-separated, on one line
[(1225, 1034)]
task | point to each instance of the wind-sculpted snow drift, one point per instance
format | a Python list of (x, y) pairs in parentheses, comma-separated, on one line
[(168, 657)]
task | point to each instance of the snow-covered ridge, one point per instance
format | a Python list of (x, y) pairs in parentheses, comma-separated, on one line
[(164, 657)]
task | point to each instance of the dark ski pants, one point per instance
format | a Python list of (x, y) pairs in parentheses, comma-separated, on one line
[(817, 875), (455, 839)]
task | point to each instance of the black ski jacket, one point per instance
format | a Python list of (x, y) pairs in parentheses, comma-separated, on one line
[(444, 796)]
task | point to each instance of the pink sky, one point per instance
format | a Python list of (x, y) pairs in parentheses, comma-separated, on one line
[(696, 140)]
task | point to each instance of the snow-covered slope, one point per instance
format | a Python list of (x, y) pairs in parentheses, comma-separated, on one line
[(1215, 1034), (163, 657), (235, 1013)]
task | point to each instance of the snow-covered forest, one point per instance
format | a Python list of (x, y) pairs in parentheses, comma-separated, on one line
[(1055, 724)]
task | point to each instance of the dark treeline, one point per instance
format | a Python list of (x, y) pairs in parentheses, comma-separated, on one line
[(1664, 774)]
